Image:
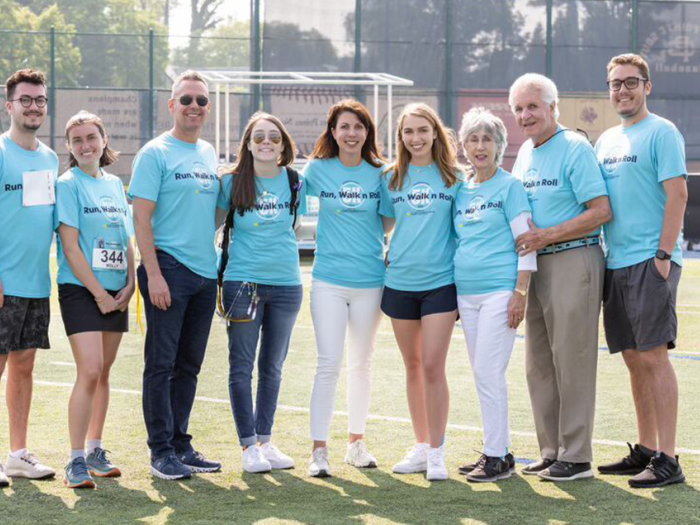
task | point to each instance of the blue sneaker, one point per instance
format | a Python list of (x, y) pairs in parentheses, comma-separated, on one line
[(77, 475), (99, 464), (198, 463), (169, 467)]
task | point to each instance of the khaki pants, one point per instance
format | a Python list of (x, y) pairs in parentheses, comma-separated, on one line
[(561, 350)]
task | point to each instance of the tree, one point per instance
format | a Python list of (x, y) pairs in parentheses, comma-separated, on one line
[(227, 46), (287, 47), (203, 19), (21, 50)]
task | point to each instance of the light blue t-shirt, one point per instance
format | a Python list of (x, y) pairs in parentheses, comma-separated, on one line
[(350, 234), (97, 208), (180, 177), (422, 249), (486, 260), (635, 161), (263, 246), (25, 231), (560, 176)]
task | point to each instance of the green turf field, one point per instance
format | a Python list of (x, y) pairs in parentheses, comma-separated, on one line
[(351, 496)]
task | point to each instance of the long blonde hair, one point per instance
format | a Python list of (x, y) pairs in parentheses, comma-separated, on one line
[(444, 148)]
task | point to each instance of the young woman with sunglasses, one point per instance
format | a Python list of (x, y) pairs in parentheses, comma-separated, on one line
[(262, 290), (345, 173), (95, 284), (419, 290)]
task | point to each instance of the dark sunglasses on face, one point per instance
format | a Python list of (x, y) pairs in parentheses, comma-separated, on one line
[(201, 100), (26, 101), (629, 82), (259, 138)]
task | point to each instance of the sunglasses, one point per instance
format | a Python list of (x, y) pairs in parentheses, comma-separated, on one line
[(259, 138), (201, 100)]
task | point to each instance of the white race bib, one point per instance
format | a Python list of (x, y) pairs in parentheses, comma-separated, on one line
[(108, 255), (38, 188)]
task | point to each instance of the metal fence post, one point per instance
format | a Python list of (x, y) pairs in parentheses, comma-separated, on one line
[(548, 53), (151, 83), (256, 50), (634, 28), (52, 91), (447, 104), (359, 94)]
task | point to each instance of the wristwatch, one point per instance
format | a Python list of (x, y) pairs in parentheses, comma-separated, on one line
[(521, 292), (660, 254)]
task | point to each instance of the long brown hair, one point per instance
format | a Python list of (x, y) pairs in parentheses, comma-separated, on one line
[(444, 148), (244, 191), (109, 156), (327, 147)]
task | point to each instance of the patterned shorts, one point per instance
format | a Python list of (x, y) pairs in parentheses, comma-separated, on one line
[(24, 324)]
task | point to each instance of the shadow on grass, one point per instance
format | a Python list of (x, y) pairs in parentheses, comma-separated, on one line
[(373, 495)]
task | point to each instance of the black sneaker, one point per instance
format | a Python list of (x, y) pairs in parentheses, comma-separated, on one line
[(566, 471), (632, 464), (534, 468), (169, 467), (659, 472), (198, 463), (490, 469), (466, 469)]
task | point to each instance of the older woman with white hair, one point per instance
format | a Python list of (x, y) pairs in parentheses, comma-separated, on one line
[(491, 211)]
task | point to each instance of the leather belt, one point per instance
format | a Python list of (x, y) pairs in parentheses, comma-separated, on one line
[(569, 245)]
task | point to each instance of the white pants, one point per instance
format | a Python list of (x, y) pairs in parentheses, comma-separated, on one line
[(333, 310), (490, 344)]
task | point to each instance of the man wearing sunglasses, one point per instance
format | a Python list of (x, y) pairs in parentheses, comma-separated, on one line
[(643, 163), (174, 190), (28, 172)]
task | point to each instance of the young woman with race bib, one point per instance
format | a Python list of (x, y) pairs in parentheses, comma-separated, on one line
[(345, 173), (95, 284), (262, 290), (419, 291)]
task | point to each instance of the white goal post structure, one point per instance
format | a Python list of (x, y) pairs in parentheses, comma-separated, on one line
[(222, 80)]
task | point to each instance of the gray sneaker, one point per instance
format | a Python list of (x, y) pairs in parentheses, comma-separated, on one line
[(100, 466), (4, 480), (77, 475), (170, 468)]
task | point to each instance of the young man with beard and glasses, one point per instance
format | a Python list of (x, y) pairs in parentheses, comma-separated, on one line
[(569, 203), (175, 190), (643, 163), (28, 172)]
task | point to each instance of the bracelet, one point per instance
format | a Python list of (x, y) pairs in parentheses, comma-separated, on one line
[(98, 301), (521, 292)]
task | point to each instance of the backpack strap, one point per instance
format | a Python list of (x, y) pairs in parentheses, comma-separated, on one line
[(295, 183)]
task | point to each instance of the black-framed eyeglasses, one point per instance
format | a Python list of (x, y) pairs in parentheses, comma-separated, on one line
[(26, 101), (201, 100), (629, 82)]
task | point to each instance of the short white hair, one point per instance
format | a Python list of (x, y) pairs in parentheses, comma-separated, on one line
[(481, 119), (546, 87)]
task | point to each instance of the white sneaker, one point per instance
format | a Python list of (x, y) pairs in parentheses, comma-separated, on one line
[(319, 467), (276, 458), (254, 461), (358, 455), (437, 469), (4, 481), (416, 460), (28, 466)]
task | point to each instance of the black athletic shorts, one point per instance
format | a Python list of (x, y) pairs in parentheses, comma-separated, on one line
[(639, 307), (24, 323), (414, 305)]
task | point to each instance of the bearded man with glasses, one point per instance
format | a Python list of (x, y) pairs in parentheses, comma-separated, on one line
[(28, 173), (174, 190), (643, 163)]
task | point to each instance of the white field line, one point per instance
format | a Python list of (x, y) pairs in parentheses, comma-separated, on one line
[(288, 408)]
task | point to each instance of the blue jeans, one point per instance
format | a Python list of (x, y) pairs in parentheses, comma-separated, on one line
[(277, 311), (176, 339)]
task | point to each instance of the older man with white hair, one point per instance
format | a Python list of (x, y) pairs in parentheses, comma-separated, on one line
[(569, 203)]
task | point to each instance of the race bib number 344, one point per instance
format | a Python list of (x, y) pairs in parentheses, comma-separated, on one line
[(108, 256)]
